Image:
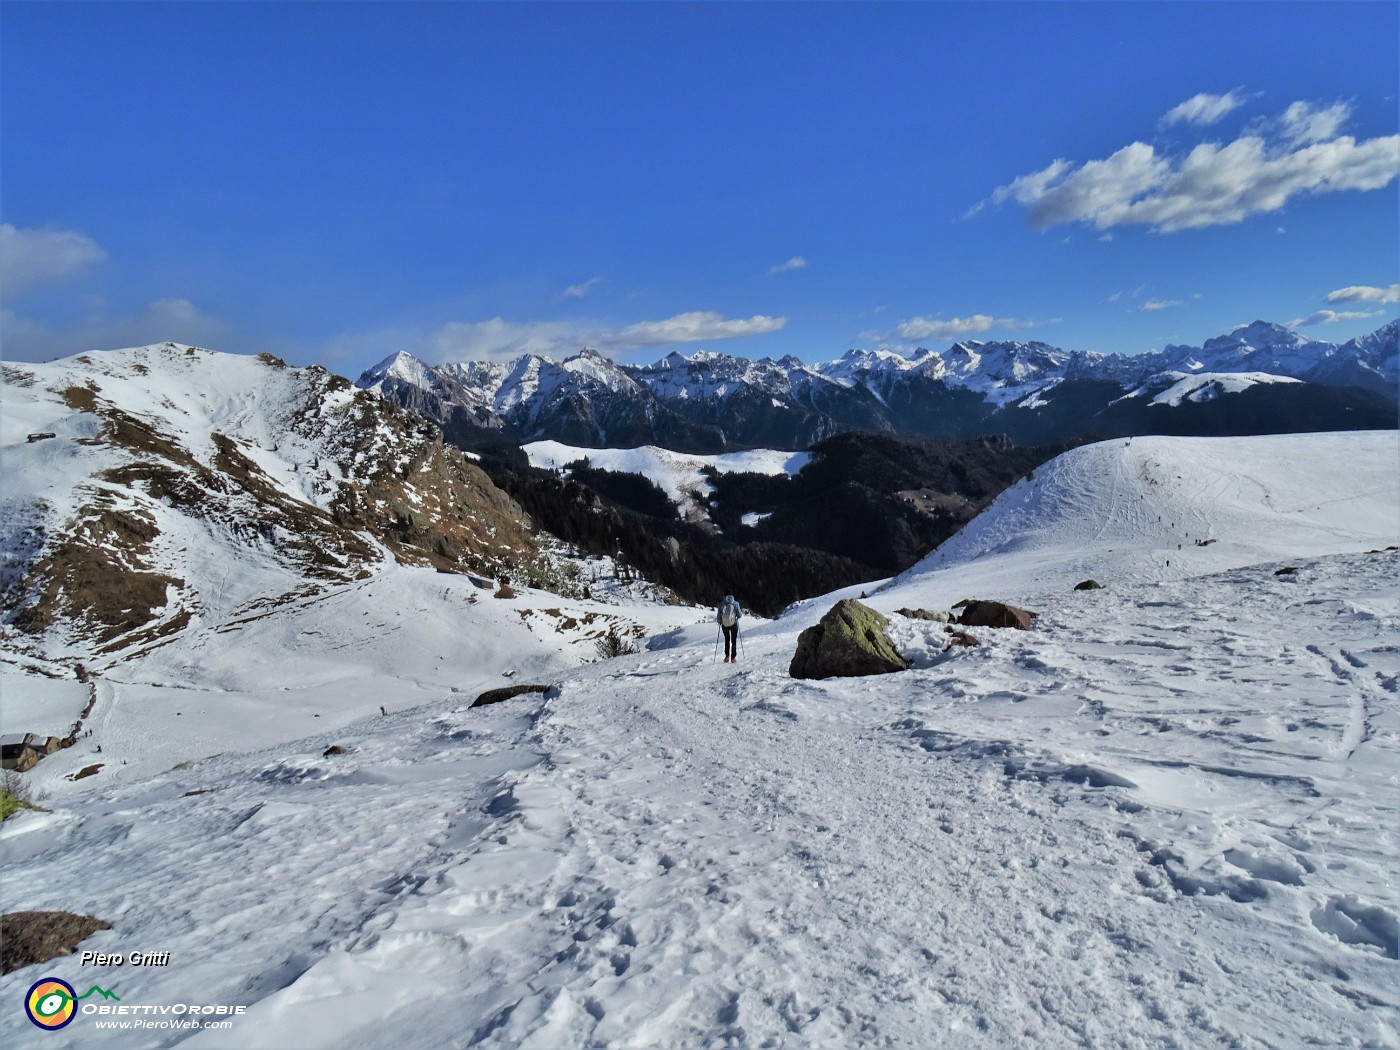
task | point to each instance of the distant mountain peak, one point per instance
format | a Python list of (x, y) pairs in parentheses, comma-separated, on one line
[(400, 363), (1260, 334)]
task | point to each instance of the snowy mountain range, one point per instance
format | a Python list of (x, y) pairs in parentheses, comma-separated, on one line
[(709, 402)]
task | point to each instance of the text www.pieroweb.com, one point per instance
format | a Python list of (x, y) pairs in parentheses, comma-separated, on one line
[(180, 1024)]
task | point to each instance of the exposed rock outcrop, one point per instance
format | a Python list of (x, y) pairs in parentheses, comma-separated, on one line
[(495, 696), (30, 937), (936, 615)]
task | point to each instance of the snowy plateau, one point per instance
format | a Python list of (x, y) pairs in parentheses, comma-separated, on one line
[(1164, 817)]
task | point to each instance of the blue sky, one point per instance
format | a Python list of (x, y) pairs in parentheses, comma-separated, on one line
[(334, 182)]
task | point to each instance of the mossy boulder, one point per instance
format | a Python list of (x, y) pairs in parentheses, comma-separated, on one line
[(849, 640)]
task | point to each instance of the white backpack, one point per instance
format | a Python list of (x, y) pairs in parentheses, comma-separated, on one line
[(729, 614)]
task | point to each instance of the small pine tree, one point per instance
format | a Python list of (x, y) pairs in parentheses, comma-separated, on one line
[(613, 644)]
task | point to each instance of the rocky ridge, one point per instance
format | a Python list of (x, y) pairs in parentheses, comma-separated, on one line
[(183, 484)]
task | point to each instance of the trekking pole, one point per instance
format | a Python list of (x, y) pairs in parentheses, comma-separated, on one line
[(715, 655), (742, 651)]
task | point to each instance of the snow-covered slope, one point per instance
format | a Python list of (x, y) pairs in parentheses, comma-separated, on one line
[(157, 488), (677, 474), (1172, 388), (1164, 817), (1151, 509), (207, 551)]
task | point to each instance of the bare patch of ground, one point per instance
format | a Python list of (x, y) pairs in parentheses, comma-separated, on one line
[(31, 937)]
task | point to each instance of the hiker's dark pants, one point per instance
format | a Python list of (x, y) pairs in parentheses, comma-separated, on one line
[(731, 640)]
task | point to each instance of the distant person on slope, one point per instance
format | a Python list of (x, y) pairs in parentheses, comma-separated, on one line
[(727, 616)]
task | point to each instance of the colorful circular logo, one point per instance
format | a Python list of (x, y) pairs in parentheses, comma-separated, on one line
[(50, 1003)]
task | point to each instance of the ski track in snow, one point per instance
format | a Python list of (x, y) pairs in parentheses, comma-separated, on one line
[(1164, 817)]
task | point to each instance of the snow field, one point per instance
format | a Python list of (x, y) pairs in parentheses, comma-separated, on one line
[(1019, 842), (313, 661), (33, 703), (1164, 817)]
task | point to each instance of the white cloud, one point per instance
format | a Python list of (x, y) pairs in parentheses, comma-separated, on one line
[(694, 327), (1097, 191), (30, 257), (499, 339), (1113, 298), (1362, 293), (1304, 123), (918, 328), (1213, 184), (795, 263), (1332, 317), (502, 340), (165, 320), (1204, 108), (578, 291), (1158, 304)]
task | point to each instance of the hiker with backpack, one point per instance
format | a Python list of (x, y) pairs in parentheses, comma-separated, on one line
[(727, 616)]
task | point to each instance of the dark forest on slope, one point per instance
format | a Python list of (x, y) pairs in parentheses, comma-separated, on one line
[(867, 506), (880, 501)]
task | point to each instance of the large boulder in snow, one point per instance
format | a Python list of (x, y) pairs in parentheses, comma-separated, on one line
[(849, 640), (996, 614), (495, 696)]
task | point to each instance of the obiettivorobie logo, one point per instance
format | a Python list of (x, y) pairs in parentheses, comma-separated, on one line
[(52, 1003)]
